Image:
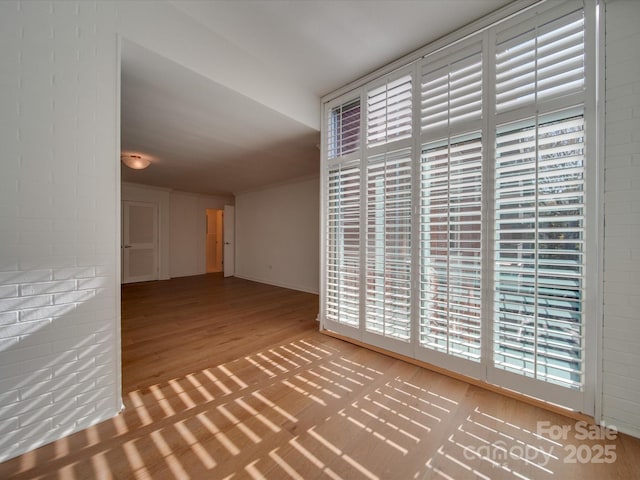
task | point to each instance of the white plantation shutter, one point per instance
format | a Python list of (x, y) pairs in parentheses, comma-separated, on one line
[(450, 246), (451, 108), (389, 111), (451, 93), (343, 243), (388, 252), (540, 60), (539, 235), (343, 129)]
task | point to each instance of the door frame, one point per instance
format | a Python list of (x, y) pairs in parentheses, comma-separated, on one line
[(219, 233), (229, 239)]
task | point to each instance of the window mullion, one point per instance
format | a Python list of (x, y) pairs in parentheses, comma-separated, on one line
[(363, 212), (536, 253), (416, 269), (488, 198), (448, 275)]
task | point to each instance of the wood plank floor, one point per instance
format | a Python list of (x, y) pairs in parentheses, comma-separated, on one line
[(229, 379)]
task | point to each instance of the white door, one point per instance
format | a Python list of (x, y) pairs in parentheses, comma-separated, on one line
[(139, 242), (229, 235)]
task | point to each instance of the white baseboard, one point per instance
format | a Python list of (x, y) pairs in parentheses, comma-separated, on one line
[(279, 284)]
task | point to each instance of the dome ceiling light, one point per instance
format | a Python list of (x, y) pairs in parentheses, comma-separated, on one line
[(137, 162)]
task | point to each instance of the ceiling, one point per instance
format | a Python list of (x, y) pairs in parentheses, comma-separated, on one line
[(201, 136), (204, 137)]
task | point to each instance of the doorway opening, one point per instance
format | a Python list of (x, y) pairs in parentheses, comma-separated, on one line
[(214, 240)]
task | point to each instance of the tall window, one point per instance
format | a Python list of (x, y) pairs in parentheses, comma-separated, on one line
[(451, 203), (539, 201), (389, 123), (458, 229), (539, 226)]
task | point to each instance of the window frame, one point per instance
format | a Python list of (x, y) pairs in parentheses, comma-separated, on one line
[(593, 217)]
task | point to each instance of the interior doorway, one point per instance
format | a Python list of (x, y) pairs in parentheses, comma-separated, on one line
[(214, 239)]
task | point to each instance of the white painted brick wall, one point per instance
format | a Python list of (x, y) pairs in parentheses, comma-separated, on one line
[(621, 352), (59, 293)]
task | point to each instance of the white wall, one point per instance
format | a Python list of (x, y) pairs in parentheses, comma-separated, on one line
[(182, 228), (621, 354), (60, 197), (188, 231), (161, 198), (278, 235), (59, 221)]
